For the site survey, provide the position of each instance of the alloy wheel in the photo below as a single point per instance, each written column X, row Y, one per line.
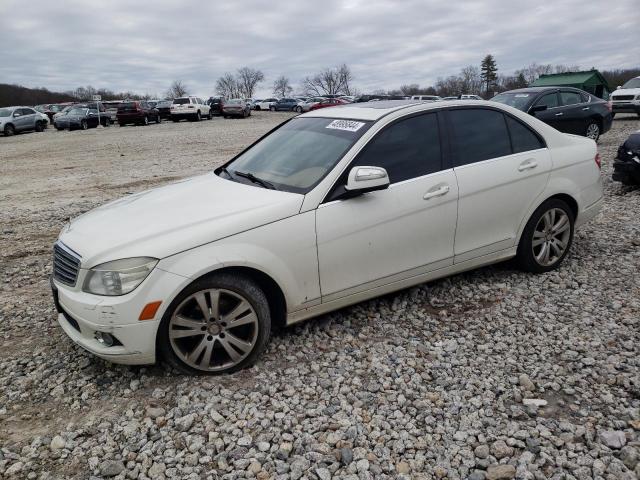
column 551, row 237
column 593, row 131
column 213, row 329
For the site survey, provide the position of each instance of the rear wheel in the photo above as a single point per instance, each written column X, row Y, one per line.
column 145, row 120
column 198, row 117
column 273, row 109
column 84, row 125
column 547, row 238
column 298, row 109
column 9, row 130
column 218, row 324
column 39, row 126
column 593, row 131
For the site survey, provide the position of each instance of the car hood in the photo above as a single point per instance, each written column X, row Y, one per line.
column 625, row 91
column 173, row 218
column 71, row 117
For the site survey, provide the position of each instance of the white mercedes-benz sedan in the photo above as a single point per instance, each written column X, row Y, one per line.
column 331, row 208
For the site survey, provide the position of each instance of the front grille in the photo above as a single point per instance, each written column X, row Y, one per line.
column 65, row 266
column 622, row 97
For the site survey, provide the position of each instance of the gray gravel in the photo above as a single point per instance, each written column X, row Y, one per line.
column 492, row 374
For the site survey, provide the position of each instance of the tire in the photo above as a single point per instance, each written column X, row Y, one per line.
column 209, row 115
column 145, row 120
column 592, row 131
column 158, row 119
column 258, row 108
column 9, row 130
column 39, row 127
column 84, row 125
column 244, row 114
column 209, row 355
column 273, row 109
column 198, row 117
column 539, row 229
column 175, row 120
column 298, row 109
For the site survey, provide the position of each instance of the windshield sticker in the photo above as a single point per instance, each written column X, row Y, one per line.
column 348, row 125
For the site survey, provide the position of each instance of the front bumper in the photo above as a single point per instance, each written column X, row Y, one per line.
column 81, row 315
column 627, row 172
column 630, row 106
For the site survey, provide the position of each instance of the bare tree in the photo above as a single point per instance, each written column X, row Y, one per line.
column 330, row 81
column 470, row 80
column 247, row 79
column 282, row 87
column 227, row 86
column 177, row 89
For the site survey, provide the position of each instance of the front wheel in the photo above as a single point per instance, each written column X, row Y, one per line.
column 198, row 117
column 298, row 109
column 39, row 127
column 258, row 108
column 219, row 324
column 593, row 131
column 84, row 125
column 9, row 130
column 547, row 237
column 273, row 109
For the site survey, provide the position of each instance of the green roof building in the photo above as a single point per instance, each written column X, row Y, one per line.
column 590, row 81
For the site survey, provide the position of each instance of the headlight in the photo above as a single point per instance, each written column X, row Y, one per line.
column 119, row 276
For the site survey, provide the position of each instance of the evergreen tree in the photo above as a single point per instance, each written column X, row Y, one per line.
column 488, row 71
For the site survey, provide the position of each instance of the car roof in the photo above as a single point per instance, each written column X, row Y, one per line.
column 539, row 89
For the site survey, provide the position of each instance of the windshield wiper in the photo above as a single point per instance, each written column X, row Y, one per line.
column 250, row 176
column 224, row 169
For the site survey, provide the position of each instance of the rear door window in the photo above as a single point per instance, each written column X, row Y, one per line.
column 523, row 138
column 478, row 134
column 570, row 98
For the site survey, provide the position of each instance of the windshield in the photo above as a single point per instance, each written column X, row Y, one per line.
column 633, row 83
column 181, row 101
column 517, row 100
column 78, row 111
column 296, row 156
column 5, row 112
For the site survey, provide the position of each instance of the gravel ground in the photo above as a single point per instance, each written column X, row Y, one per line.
column 492, row 374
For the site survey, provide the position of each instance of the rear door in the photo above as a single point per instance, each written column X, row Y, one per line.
column 385, row 236
column 502, row 167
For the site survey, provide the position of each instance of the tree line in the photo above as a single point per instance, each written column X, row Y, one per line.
column 483, row 80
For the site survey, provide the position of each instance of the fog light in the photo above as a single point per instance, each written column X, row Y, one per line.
column 105, row 339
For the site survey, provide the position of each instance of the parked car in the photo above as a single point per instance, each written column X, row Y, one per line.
column 80, row 118
column 626, row 99
column 138, row 112
column 265, row 104
column 626, row 167
column 50, row 109
column 426, row 98
column 236, row 107
column 191, row 108
column 284, row 104
column 305, row 105
column 328, row 102
column 64, row 111
column 216, row 103
column 164, row 108
column 111, row 109
column 462, row 97
column 569, row 110
column 21, row 119
column 303, row 222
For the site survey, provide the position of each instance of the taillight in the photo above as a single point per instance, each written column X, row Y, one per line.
column 598, row 161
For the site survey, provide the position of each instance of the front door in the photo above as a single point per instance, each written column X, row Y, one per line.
column 554, row 112
column 385, row 236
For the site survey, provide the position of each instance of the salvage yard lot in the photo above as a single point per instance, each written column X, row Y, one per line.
column 428, row 382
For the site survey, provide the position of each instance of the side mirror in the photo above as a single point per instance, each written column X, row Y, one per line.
column 16, row 114
column 367, row 179
column 618, row 87
column 537, row 108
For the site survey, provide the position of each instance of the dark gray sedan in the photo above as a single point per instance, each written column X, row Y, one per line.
column 236, row 107
column 78, row 118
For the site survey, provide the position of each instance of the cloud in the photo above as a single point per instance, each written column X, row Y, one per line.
column 143, row 46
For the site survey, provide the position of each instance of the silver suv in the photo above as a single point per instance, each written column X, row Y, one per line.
column 20, row 119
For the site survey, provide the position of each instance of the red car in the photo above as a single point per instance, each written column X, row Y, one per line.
column 329, row 102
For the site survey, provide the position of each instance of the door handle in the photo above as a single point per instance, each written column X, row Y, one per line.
column 559, row 114
column 527, row 165
column 436, row 192
column 585, row 108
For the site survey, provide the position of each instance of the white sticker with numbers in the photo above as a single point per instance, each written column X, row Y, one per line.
column 348, row 125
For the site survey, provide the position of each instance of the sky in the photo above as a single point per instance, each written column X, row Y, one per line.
column 142, row 46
